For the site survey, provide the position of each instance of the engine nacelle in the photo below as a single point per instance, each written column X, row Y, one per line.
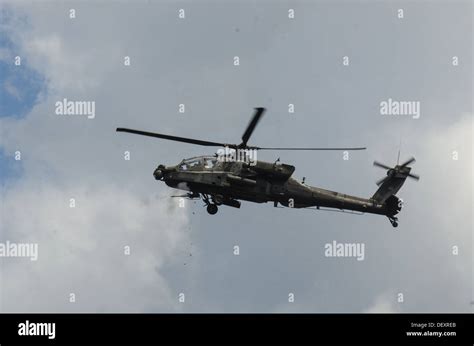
column 277, row 171
column 393, row 205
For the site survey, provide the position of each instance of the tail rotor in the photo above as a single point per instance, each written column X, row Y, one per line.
column 399, row 171
column 391, row 184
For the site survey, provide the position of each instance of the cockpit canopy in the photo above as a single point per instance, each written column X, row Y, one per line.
column 198, row 163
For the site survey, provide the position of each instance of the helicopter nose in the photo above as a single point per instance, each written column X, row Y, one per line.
column 159, row 172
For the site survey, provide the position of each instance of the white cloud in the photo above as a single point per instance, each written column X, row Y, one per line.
column 63, row 64
column 81, row 249
column 383, row 304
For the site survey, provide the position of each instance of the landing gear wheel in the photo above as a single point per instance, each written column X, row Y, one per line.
column 393, row 221
column 212, row 209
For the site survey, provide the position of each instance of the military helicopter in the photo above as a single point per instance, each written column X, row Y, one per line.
column 221, row 179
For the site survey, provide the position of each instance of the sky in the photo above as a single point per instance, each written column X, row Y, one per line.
column 190, row 61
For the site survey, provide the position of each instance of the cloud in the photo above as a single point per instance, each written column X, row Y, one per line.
column 383, row 304
column 63, row 64
column 81, row 249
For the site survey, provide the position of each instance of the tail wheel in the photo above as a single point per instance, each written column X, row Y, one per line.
column 212, row 209
column 393, row 221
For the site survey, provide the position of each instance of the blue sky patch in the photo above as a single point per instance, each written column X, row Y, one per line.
column 20, row 86
column 9, row 167
column 19, row 89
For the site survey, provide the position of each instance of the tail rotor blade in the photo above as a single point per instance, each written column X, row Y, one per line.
column 414, row 176
column 410, row 160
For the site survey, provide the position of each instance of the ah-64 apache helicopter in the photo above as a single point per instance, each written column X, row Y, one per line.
column 219, row 182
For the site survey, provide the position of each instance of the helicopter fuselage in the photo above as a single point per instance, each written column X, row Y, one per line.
column 228, row 182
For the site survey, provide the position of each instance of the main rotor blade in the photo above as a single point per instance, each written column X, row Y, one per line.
column 322, row 148
column 251, row 126
column 381, row 165
column 174, row 138
column 410, row 160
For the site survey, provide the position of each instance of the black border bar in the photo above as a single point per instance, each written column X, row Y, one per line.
column 243, row 328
